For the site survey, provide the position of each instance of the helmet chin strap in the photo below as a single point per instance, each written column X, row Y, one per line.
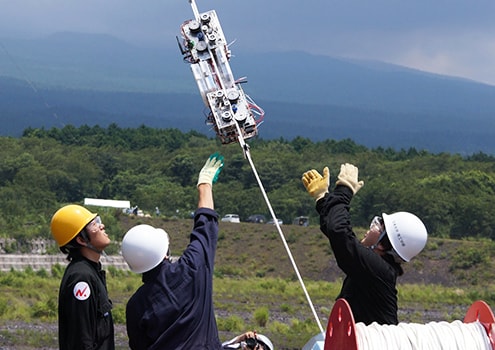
column 92, row 247
column 84, row 236
column 382, row 234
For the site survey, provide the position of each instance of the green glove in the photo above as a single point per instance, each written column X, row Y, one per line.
column 211, row 169
column 349, row 177
column 315, row 184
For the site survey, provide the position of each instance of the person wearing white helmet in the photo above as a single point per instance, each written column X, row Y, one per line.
column 249, row 341
column 372, row 264
column 173, row 309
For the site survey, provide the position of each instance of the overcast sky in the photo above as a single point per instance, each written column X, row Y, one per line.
column 450, row 37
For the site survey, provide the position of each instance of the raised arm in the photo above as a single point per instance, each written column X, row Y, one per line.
column 207, row 177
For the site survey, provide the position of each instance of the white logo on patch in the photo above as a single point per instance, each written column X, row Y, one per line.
column 82, row 291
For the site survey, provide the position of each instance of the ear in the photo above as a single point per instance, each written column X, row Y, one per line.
column 380, row 248
column 81, row 241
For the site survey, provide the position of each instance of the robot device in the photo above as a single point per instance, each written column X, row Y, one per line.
column 233, row 115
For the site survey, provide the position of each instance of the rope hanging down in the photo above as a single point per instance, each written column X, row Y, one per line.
column 233, row 114
column 247, row 154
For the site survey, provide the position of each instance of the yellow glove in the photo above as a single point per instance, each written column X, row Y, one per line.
column 315, row 184
column 349, row 177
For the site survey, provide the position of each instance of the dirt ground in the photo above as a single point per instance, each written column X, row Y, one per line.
column 12, row 333
column 432, row 266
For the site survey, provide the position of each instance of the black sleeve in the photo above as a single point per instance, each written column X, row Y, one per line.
column 334, row 211
column 335, row 223
column 81, row 305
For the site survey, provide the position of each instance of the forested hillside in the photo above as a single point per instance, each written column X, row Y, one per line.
column 45, row 169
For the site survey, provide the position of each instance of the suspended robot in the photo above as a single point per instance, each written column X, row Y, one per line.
column 233, row 115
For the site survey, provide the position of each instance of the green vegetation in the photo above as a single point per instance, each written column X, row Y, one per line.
column 45, row 169
column 255, row 286
column 272, row 306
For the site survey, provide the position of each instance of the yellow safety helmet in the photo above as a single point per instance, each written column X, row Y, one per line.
column 68, row 221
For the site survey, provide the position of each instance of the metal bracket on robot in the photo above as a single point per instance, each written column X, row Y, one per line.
column 341, row 328
column 233, row 114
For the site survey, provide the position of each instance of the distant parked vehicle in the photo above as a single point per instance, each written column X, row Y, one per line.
column 271, row 221
column 301, row 221
column 231, row 218
column 257, row 218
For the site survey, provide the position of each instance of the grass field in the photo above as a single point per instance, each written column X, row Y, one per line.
column 255, row 286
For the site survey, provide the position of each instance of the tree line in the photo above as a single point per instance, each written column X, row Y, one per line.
column 47, row 168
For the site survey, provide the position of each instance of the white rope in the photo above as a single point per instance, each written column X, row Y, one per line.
column 194, row 9
column 245, row 148
column 431, row 336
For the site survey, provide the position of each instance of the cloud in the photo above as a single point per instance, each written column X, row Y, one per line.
column 462, row 54
column 444, row 36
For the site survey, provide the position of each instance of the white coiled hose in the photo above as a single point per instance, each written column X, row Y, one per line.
column 431, row 336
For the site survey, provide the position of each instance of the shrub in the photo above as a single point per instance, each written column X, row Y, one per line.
column 469, row 257
column 3, row 306
column 58, row 270
column 261, row 316
column 118, row 314
column 231, row 324
column 286, row 308
column 46, row 310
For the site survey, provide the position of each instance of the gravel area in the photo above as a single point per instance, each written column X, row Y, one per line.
column 13, row 334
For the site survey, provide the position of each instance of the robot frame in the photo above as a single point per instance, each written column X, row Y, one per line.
column 233, row 115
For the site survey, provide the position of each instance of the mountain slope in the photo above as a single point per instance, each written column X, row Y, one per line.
column 92, row 79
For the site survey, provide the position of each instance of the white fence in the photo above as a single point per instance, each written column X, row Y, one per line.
column 39, row 261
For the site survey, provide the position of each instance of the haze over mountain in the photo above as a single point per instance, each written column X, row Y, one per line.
column 72, row 78
column 452, row 38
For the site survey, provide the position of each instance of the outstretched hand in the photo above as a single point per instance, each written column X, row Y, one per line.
column 315, row 184
column 348, row 176
column 212, row 168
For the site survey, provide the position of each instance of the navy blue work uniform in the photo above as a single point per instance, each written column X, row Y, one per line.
column 370, row 283
column 173, row 309
column 84, row 310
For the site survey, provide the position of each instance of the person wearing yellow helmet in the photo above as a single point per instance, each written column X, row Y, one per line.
column 173, row 309
column 84, row 309
column 372, row 264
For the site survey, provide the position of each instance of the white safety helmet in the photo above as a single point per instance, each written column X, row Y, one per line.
column 144, row 247
column 406, row 233
column 236, row 344
column 264, row 339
